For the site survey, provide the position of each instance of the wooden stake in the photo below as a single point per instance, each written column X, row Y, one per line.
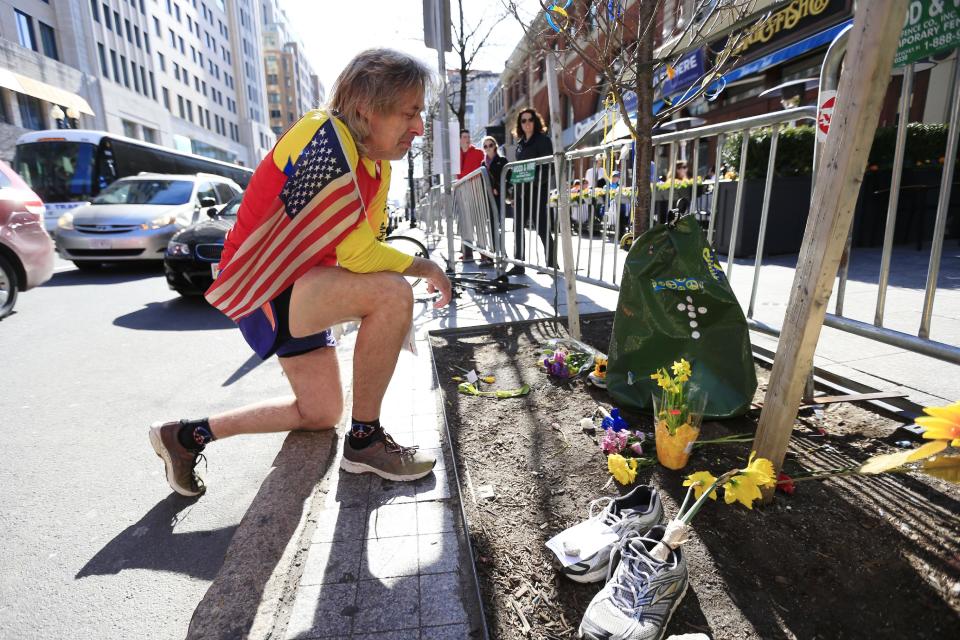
column 863, row 83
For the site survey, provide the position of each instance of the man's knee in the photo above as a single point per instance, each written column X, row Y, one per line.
column 396, row 293
column 320, row 417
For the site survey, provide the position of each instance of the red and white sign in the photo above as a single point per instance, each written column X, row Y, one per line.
column 828, row 100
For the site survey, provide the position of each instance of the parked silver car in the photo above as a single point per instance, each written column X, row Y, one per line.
column 135, row 217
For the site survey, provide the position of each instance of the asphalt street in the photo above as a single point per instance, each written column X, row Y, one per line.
column 95, row 544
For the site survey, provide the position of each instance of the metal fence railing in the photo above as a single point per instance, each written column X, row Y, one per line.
column 525, row 230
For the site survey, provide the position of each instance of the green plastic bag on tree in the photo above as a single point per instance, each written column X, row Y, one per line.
column 675, row 302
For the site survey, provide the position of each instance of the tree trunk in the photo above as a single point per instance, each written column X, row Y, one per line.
column 643, row 150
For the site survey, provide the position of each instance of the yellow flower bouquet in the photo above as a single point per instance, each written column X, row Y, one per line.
column 677, row 413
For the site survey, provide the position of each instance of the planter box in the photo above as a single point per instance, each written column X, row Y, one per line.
column 789, row 207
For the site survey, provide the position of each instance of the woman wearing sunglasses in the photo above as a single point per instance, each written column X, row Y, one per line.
column 494, row 163
column 531, row 201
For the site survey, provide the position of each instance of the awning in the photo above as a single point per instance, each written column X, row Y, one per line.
column 46, row 92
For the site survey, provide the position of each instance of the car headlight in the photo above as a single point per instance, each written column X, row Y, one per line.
column 65, row 222
column 178, row 249
column 159, row 222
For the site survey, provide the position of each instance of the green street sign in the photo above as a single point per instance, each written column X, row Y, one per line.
column 523, row 173
column 931, row 26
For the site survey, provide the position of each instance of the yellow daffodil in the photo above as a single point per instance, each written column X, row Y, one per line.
column 700, row 481
column 665, row 383
column 655, row 376
column 942, row 423
column 742, row 489
column 681, row 369
column 760, row 471
column 622, row 469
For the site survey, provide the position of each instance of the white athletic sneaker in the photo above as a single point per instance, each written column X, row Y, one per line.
column 632, row 514
column 641, row 594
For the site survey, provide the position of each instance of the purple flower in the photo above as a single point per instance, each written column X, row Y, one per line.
column 637, row 448
column 613, row 441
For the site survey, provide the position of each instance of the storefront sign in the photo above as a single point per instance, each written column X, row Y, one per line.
column 797, row 19
column 828, row 100
column 931, row 26
column 523, row 173
column 687, row 71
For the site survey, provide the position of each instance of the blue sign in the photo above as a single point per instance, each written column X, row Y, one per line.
column 688, row 70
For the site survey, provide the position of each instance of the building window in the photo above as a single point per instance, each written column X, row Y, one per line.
column 25, row 30
column 173, row 39
column 176, row 10
column 129, row 129
column 143, row 81
column 136, row 34
column 166, row 98
column 106, row 15
column 116, row 22
column 31, row 111
column 116, row 67
column 183, row 49
column 176, row 70
column 136, row 78
column 162, row 60
column 156, row 26
column 103, row 60
column 153, row 86
column 150, row 135
column 183, row 113
column 126, row 76
column 146, row 41
column 49, row 39
column 129, row 31
column 190, row 111
column 95, row 10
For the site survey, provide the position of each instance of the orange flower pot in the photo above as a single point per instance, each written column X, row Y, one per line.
column 673, row 451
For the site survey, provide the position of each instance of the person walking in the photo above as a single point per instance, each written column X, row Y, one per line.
column 532, row 198
column 494, row 162
column 307, row 253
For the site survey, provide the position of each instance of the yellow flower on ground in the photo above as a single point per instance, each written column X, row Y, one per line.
column 759, row 471
column 700, row 481
column 742, row 489
column 942, row 423
column 681, row 369
column 623, row 470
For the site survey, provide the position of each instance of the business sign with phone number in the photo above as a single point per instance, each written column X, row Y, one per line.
column 930, row 26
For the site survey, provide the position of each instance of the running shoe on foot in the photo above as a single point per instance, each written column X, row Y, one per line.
column 629, row 515
column 387, row 459
column 641, row 594
column 180, row 462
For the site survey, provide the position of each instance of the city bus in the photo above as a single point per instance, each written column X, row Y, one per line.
column 68, row 167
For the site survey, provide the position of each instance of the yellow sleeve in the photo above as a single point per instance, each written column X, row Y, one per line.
column 361, row 252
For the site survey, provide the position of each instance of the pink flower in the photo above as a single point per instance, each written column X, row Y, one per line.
column 613, row 441
column 637, row 448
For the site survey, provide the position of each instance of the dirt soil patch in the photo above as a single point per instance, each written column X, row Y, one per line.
column 843, row 558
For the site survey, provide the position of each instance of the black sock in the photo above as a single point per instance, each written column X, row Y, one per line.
column 195, row 434
column 364, row 434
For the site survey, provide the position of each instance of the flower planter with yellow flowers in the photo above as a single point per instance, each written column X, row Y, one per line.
column 677, row 413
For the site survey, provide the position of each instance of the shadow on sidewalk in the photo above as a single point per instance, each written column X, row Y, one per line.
column 151, row 543
column 229, row 607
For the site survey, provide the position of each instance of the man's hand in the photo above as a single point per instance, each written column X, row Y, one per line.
column 436, row 279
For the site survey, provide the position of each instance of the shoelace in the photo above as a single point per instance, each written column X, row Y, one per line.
column 599, row 508
column 630, row 594
column 193, row 474
column 391, row 446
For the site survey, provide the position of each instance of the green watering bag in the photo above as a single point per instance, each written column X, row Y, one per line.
column 675, row 302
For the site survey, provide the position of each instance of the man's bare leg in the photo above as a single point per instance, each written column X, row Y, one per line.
column 316, row 403
column 384, row 304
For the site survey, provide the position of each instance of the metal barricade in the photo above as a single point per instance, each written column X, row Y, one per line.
column 477, row 220
column 528, row 225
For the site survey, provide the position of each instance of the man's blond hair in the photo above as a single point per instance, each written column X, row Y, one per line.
column 375, row 78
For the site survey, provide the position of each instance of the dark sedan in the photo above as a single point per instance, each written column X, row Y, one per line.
column 193, row 254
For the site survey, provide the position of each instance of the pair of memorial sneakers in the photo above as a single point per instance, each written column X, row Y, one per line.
column 641, row 592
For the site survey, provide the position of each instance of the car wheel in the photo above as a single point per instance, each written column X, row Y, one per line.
column 87, row 266
column 8, row 287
